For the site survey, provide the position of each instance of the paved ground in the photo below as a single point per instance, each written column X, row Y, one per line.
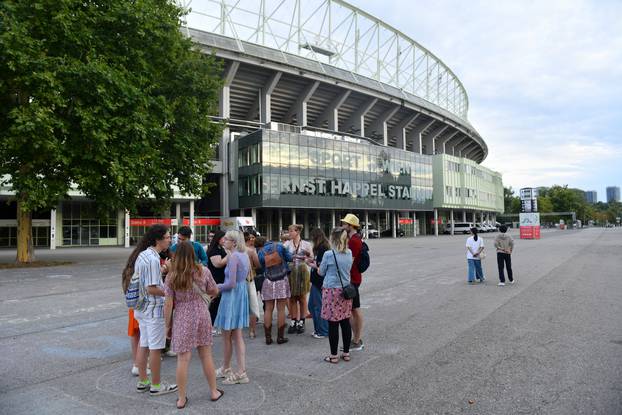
column 551, row 344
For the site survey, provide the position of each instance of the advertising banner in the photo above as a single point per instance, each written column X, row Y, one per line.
column 529, row 225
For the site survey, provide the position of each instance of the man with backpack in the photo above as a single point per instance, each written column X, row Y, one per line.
column 355, row 243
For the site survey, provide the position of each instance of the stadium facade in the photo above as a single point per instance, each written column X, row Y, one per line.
column 327, row 110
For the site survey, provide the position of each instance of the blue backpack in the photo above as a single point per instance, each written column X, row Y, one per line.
column 364, row 261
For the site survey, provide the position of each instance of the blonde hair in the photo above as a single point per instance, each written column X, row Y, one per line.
column 183, row 267
column 295, row 227
column 238, row 238
column 339, row 239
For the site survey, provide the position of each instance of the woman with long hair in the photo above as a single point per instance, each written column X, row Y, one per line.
column 474, row 248
column 335, row 268
column 233, row 309
column 217, row 261
column 320, row 246
column 186, row 285
column 299, row 282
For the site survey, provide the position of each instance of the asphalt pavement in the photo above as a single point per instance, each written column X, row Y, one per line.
column 549, row 344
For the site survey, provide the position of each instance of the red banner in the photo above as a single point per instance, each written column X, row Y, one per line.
column 406, row 221
column 150, row 221
column 203, row 221
column 529, row 232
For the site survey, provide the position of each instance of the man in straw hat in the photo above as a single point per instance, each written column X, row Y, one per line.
column 355, row 243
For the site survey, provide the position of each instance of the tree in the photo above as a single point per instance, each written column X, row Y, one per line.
column 105, row 95
column 511, row 203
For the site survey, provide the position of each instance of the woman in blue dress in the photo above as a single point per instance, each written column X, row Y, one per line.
column 233, row 309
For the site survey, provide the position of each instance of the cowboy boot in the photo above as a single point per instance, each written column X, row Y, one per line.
column 268, row 333
column 281, row 335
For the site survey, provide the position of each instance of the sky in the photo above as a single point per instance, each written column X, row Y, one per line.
column 544, row 80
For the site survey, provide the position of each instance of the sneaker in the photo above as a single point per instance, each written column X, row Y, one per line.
column 357, row 346
column 317, row 336
column 236, row 379
column 135, row 370
column 222, row 373
column 143, row 386
column 512, row 282
column 501, row 284
column 170, row 353
column 162, row 389
column 292, row 327
column 300, row 327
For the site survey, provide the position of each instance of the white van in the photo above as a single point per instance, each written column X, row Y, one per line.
column 459, row 227
column 240, row 223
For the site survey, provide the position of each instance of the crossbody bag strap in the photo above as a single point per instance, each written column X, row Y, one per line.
column 199, row 291
column 337, row 265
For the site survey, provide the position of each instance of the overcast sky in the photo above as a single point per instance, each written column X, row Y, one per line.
column 544, row 80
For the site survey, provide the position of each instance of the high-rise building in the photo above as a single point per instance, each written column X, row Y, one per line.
column 613, row 194
column 591, row 196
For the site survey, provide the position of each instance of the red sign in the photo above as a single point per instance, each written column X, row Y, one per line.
column 529, row 232
column 150, row 221
column 203, row 221
column 439, row 221
column 406, row 221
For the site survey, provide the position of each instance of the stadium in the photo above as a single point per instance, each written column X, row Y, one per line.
column 327, row 110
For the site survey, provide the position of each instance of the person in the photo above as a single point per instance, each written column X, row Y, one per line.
column 191, row 324
column 355, row 243
column 320, row 246
column 210, row 236
column 165, row 257
column 299, row 281
column 150, row 311
column 275, row 288
column 184, row 234
column 249, row 240
column 217, row 262
column 335, row 267
column 233, row 309
column 474, row 246
column 505, row 245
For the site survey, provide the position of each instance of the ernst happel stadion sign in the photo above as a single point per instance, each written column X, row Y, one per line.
column 295, row 170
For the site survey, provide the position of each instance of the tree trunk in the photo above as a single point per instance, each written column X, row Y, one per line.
column 25, row 251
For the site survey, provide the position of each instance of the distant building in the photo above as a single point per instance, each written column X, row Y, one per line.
column 613, row 194
column 591, row 196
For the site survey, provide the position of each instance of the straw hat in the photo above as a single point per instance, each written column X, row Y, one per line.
column 351, row 219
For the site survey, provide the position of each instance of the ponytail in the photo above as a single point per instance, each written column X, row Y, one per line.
column 474, row 232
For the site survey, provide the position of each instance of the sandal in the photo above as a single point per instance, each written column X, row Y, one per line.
column 345, row 357
column 222, row 392
column 332, row 359
column 251, row 334
column 184, row 405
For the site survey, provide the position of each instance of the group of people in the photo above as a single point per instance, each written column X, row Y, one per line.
column 188, row 295
column 504, row 244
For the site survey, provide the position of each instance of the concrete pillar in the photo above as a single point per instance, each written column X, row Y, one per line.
column 192, row 219
column 268, row 213
column 319, row 222
column 225, row 112
column 464, row 216
column 330, row 114
column 356, row 122
column 379, row 126
column 435, row 222
column 53, row 229
column 334, row 224
column 299, row 109
column 366, row 223
column 127, row 229
column 306, row 224
column 429, row 140
column 416, row 133
column 294, row 216
column 415, row 224
column 451, row 218
column 399, row 130
column 280, row 223
column 254, row 215
column 474, row 218
column 265, row 99
column 178, row 214
column 393, row 224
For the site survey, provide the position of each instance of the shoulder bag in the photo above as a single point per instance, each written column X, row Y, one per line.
column 349, row 291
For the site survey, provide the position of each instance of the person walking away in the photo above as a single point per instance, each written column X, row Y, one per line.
column 150, row 312
column 299, row 278
column 320, row 246
column 355, row 243
column 273, row 258
column 474, row 248
column 233, row 309
column 186, row 285
column 183, row 235
column 335, row 267
column 253, row 302
column 217, row 262
column 504, row 244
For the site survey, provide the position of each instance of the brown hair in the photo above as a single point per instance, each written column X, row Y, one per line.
column 296, row 227
column 153, row 234
column 318, row 237
column 183, row 267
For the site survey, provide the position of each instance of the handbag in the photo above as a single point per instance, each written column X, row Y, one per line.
column 349, row 291
column 204, row 296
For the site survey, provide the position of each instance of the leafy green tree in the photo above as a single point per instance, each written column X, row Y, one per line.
column 105, row 95
column 544, row 204
column 511, row 203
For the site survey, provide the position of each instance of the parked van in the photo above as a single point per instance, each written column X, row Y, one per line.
column 459, row 227
column 240, row 223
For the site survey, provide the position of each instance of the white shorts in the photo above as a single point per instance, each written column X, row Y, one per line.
column 152, row 331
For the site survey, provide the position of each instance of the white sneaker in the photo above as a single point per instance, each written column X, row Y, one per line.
column 170, row 353
column 163, row 389
column 318, row 336
column 135, row 371
column 222, row 373
column 512, row 282
column 501, row 284
column 236, row 379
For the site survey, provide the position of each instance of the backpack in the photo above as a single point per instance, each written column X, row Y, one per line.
column 364, row 261
column 134, row 296
column 276, row 268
